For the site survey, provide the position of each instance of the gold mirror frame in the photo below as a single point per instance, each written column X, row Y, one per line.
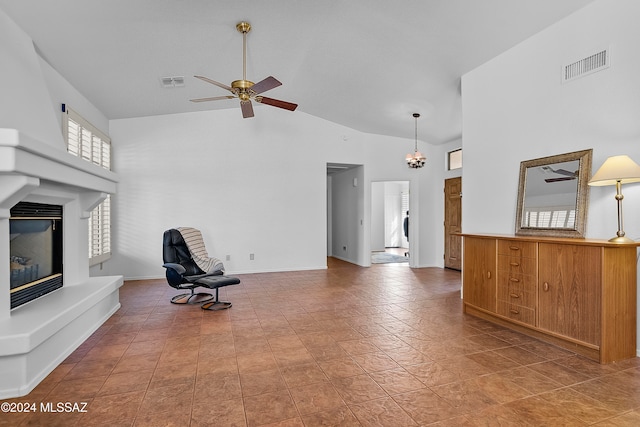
column 583, row 174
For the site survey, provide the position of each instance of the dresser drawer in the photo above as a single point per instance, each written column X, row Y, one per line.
column 516, row 294
column 526, row 281
column 517, row 312
column 517, row 248
column 517, row 265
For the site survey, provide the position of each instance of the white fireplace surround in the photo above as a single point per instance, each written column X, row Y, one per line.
column 37, row 336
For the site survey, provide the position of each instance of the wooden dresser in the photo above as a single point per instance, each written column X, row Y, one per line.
column 579, row 294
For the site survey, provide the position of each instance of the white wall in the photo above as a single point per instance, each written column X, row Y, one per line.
column 251, row 185
column 25, row 101
column 61, row 92
column 515, row 109
column 377, row 216
column 348, row 216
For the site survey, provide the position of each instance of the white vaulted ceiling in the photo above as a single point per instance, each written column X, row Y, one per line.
column 365, row 64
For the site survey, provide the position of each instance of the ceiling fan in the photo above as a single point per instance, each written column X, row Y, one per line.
column 567, row 175
column 245, row 90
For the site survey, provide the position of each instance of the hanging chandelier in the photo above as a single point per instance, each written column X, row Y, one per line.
column 416, row 160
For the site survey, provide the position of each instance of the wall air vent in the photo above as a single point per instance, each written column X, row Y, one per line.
column 168, row 82
column 596, row 62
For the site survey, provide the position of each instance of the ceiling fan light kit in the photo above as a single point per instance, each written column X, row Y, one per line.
column 245, row 90
column 415, row 160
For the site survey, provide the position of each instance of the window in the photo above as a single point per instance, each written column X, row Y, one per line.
column 405, row 209
column 454, row 159
column 88, row 143
column 550, row 217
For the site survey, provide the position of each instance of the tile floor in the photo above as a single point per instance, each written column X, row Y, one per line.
column 346, row 346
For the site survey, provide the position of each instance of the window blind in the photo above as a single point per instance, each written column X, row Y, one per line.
column 90, row 144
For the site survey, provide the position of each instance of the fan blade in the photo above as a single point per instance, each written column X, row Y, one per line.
column 277, row 103
column 265, row 85
column 247, row 109
column 213, row 98
column 565, row 172
column 213, row 82
column 548, row 180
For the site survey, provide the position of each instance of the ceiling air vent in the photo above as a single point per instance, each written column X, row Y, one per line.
column 590, row 64
column 168, row 82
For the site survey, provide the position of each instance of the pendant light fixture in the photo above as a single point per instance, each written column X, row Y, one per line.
column 416, row 160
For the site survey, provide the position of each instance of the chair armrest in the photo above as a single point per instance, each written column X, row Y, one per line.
column 176, row 267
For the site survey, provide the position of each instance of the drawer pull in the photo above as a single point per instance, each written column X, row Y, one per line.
column 512, row 295
column 514, row 264
column 514, row 311
column 545, row 286
column 514, row 279
column 514, row 248
column 488, row 275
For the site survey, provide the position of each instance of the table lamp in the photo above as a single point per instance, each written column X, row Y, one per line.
column 617, row 170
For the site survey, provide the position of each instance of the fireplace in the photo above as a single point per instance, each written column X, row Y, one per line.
column 35, row 251
column 46, row 197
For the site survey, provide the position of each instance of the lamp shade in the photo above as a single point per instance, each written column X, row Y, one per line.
column 614, row 169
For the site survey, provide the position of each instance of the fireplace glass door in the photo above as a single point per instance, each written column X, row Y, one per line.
column 35, row 251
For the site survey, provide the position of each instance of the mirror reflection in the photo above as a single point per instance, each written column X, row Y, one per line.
column 551, row 192
column 553, row 195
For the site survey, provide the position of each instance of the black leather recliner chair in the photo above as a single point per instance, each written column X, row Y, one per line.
column 183, row 273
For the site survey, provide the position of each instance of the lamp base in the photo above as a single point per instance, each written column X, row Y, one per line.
column 621, row 239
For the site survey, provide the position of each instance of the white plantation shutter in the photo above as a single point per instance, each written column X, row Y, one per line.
column 550, row 217
column 88, row 143
column 405, row 203
column 405, row 208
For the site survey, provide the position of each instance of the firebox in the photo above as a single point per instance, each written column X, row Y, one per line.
column 35, row 251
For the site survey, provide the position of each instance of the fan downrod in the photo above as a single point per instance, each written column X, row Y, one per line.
column 242, row 86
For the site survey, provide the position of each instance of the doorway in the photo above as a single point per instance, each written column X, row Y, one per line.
column 345, row 213
column 452, row 223
column 389, row 207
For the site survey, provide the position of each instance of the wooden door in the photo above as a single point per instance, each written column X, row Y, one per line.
column 569, row 290
column 452, row 223
column 479, row 278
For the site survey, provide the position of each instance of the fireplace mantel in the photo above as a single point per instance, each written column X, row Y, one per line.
column 26, row 163
column 39, row 335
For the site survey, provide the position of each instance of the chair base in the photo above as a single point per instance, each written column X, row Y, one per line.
column 215, row 305
column 192, row 298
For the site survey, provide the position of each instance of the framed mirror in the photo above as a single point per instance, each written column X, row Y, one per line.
column 553, row 195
